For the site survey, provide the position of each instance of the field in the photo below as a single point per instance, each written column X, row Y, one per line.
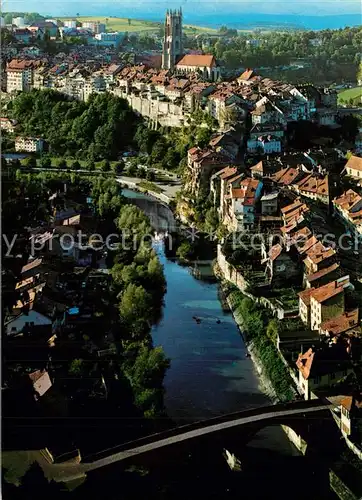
column 137, row 25
column 355, row 93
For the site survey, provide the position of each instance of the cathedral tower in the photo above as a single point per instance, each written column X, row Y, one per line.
column 172, row 43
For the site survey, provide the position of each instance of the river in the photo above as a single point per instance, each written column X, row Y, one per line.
column 209, row 373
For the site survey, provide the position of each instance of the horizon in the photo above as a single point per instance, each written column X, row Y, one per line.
column 305, row 8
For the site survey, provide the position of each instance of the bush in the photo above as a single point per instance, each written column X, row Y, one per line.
column 76, row 165
column 61, row 163
column 105, row 166
column 90, row 166
column 150, row 176
column 45, row 162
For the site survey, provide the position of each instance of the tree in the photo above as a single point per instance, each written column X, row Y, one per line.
column 45, row 162
column 150, row 176
column 90, row 166
column 105, row 166
column 76, row 165
column 185, row 251
column 141, row 173
column 29, row 162
column 135, row 309
column 119, row 167
column 62, row 163
column 76, row 367
column 272, row 330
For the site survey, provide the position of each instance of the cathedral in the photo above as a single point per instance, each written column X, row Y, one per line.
column 172, row 44
column 172, row 54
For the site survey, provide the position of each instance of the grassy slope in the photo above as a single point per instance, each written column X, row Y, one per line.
column 121, row 24
column 351, row 94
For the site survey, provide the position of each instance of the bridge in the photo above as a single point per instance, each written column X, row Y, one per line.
column 310, row 419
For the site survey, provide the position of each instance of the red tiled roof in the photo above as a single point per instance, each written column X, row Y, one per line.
column 342, row 323
column 275, row 251
column 355, row 163
column 323, row 272
column 305, row 295
column 206, row 60
column 329, row 290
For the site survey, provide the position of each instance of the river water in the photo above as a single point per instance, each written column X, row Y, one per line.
column 209, row 374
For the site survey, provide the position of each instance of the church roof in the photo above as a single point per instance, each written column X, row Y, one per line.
column 206, row 60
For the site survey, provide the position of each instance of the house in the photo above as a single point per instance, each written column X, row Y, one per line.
column 32, row 322
column 318, row 257
column 266, row 112
column 351, row 415
column 349, row 208
column 304, row 305
column 353, row 167
column 248, row 77
column 29, row 144
column 314, row 187
column 218, row 182
column 19, row 75
column 322, row 367
column 23, row 35
column 8, row 125
column 33, row 269
column 342, row 324
column 264, row 144
column 240, row 213
column 202, row 64
column 327, row 301
column 286, row 176
column 44, row 27
column 269, row 203
column 201, row 164
column 322, row 277
column 225, row 143
column 41, row 383
column 280, row 267
column 219, row 103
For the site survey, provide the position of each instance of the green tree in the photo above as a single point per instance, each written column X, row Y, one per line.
column 29, row 162
column 90, row 166
column 119, row 167
column 105, row 166
column 76, row 367
column 45, row 162
column 75, row 165
column 150, row 176
column 135, row 309
column 272, row 330
column 61, row 163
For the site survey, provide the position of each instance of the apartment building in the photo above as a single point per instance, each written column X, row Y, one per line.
column 19, row 75
column 29, row 144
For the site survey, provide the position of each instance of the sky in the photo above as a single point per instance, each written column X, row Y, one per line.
column 117, row 7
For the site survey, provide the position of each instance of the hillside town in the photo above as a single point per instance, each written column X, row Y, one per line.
column 276, row 188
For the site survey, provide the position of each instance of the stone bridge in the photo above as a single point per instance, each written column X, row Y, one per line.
column 310, row 419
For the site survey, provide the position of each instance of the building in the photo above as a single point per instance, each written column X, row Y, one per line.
column 201, row 164
column 172, row 44
column 240, row 213
column 343, row 324
column 204, row 64
column 316, row 188
column 353, row 167
column 28, row 322
column 280, row 267
column 23, row 35
column 269, row 203
column 41, row 383
column 45, row 27
column 94, row 26
column 111, row 39
column 351, row 415
column 322, row 368
column 8, row 125
column 19, row 75
column 349, row 208
column 327, row 302
column 29, row 144
column 70, row 23
column 19, row 22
